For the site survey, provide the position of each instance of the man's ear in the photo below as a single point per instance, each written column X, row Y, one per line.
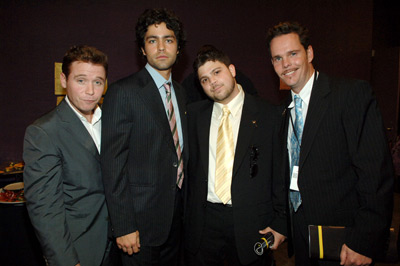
column 310, row 54
column 232, row 69
column 63, row 80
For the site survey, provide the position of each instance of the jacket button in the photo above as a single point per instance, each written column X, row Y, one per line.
column 175, row 164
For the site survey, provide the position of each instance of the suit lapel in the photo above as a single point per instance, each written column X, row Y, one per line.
column 155, row 106
column 72, row 124
column 248, row 125
column 203, row 125
column 316, row 111
column 182, row 112
column 283, row 133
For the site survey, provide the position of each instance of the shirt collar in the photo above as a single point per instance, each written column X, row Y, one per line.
column 157, row 77
column 96, row 115
column 305, row 93
column 234, row 106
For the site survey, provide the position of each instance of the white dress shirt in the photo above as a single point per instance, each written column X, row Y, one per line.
column 305, row 95
column 94, row 127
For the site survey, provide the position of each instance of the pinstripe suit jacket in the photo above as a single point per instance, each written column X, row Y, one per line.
column 139, row 160
column 345, row 168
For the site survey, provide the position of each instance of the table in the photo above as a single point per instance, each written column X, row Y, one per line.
column 18, row 243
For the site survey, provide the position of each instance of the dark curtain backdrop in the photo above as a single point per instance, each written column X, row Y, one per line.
column 35, row 34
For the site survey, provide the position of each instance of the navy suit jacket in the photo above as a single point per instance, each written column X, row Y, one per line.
column 139, row 159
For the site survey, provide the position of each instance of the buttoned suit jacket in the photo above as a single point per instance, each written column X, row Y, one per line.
column 64, row 189
column 257, row 201
column 345, row 169
column 139, row 159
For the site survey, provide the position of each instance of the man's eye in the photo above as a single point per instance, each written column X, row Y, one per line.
column 203, row 81
column 98, row 83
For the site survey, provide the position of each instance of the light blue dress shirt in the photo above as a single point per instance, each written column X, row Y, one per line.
column 160, row 81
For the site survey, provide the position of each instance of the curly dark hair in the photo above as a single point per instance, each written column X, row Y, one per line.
column 209, row 53
column 84, row 53
column 286, row 28
column 156, row 16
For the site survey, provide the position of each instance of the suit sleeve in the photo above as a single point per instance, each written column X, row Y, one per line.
column 116, row 131
column 279, row 194
column 45, row 198
column 373, row 167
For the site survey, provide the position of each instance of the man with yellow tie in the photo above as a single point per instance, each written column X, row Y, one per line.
column 233, row 198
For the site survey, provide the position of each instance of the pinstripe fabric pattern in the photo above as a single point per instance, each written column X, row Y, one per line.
column 139, row 158
column 345, row 169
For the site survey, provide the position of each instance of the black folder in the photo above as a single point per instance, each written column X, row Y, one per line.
column 325, row 242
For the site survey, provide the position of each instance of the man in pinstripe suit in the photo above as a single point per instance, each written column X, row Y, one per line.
column 140, row 159
column 344, row 176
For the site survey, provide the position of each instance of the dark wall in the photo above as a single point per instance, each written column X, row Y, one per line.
column 35, row 34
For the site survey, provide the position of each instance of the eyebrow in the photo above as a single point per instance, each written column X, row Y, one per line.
column 212, row 71
column 84, row 76
column 160, row 37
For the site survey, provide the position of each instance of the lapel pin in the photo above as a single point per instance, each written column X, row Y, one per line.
column 254, row 122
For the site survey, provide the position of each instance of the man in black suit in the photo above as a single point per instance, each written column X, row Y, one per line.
column 225, row 226
column 144, row 148
column 343, row 175
column 62, row 175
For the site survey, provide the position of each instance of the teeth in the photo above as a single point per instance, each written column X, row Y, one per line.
column 288, row 73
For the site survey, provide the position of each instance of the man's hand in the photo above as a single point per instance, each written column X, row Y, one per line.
column 278, row 238
column 349, row 257
column 129, row 243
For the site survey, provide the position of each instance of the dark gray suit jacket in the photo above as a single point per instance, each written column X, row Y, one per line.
column 345, row 168
column 64, row 189
column 139, row 160
column 257, row 201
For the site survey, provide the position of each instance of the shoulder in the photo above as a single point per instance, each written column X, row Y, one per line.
column 263, row 105
column 199, row 106
column 138, row 79
column 346, row 85
column 47, row 120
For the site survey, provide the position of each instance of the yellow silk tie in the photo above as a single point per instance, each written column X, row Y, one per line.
column 225, row 157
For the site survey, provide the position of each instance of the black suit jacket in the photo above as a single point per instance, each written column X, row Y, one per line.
column 257, row 201
column 345, row 168
column 64, row 189
column 139, row 160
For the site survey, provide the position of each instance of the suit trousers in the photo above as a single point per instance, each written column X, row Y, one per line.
column 167, row 254
column 218, row 246
column 300, row 241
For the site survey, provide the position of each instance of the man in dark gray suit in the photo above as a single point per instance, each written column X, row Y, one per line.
column 222, row 228
column 144, row 147
column 62, row 176
column 340, row 172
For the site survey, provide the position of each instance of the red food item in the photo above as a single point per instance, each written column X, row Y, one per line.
column 11, row 195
